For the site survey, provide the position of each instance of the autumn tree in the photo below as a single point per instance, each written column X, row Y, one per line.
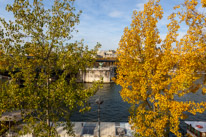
column 152, row 77
column 42, row 66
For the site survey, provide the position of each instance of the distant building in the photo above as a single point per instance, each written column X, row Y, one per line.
column 106, row 54
column 95, row 74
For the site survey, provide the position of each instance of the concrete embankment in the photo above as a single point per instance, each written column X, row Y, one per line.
column 4, row 77
column 107, row 129
column 94, row 74
column 90, row 129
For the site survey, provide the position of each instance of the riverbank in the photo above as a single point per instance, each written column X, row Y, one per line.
column 4, row 77
column 90, row 129
column 107, row 129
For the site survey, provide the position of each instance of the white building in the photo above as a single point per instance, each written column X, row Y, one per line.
column 95, row 74
column 107, row 54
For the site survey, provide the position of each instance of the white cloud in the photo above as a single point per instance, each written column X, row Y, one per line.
column 201, row 10
column 181, row 34
column 163, row 36
column 106, row 32
column 86, row 17
column 116, row 14
column 140, row 6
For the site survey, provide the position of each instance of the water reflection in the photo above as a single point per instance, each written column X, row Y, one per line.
column 196, row 97
column 113, row 109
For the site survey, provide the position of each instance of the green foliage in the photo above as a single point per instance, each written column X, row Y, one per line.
column 43, row 68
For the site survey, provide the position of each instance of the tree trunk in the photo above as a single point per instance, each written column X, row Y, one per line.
column 47, row 111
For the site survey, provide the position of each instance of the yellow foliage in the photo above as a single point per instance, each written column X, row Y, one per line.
column 203, row 3
column 3, row 62
column 151, row 77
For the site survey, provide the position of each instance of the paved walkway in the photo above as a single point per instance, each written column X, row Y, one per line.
column 90, row 129
column 107, row 129
column 81, row 129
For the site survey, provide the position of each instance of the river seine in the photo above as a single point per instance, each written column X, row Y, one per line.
column 114, row 109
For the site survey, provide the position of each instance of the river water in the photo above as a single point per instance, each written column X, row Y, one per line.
column 114, row 109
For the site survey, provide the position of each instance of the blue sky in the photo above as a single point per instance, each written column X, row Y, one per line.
column 104, row 21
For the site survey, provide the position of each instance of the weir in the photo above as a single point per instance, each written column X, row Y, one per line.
column 95, row 74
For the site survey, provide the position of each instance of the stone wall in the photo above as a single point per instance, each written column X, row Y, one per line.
column 95, row 74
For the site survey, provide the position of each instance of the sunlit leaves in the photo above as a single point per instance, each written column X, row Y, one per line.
column 152, row 77
column 43, row 68
column 203, row 3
